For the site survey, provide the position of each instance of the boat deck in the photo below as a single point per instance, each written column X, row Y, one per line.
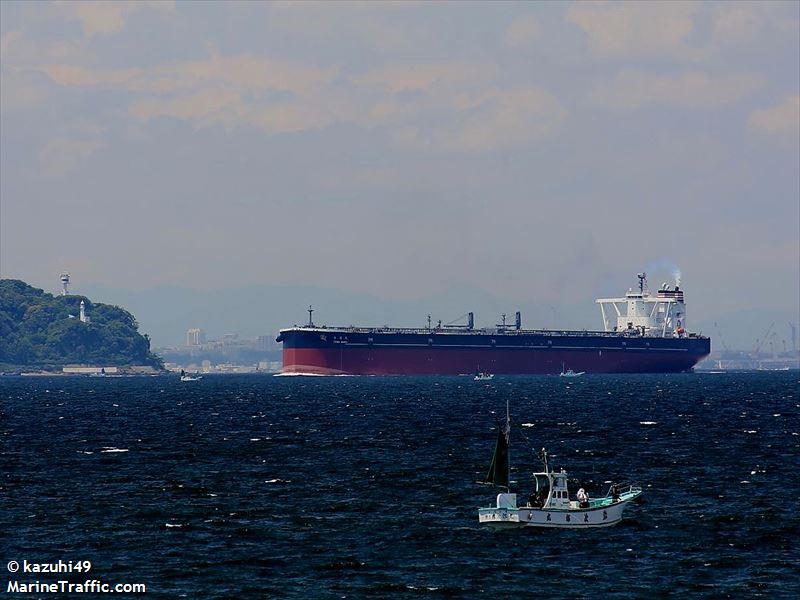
column 574, row 506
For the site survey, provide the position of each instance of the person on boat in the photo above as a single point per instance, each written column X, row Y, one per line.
column 537, row 498
column 615, row 493
column 583, row 498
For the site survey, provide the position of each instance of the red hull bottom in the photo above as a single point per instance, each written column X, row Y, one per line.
column 401, row 361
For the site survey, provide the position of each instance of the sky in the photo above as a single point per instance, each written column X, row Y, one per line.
column 544, row 151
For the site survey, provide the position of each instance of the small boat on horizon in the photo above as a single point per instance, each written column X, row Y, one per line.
column 185, row 377
column 481, row 376
column 549, row 504
column 569, row 372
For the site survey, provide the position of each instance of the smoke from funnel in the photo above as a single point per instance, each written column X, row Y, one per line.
column 665, row 264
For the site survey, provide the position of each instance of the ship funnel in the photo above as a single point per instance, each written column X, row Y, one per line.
column 518, row 320
column 470, row 320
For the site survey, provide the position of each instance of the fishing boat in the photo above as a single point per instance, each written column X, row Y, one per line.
column 185, row 377
column 549, row 504
column 569, row 372
column 484, row 376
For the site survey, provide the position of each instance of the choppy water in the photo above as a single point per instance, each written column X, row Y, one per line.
column 364, row 487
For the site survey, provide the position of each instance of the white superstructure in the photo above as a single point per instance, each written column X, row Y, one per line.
column 662, row 314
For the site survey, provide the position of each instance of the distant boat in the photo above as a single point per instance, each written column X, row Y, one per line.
column 484, row 376
column 549, row 504
column 569, row 372
column 185, row 377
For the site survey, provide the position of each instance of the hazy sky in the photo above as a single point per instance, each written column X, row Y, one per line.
column 535, row 150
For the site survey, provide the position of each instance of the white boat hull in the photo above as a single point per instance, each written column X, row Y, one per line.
column 573, row 518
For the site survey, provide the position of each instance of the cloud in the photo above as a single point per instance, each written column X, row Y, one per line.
column 7, row 39
column 206, row 107
column 737, row 22
column 242, row 71
column 742, row 23
column 513, row 118
column 232, row 90
column 61, row 155
column 628, row 29
column 691, row 89
column 456, row 106
column 423, row 76
column 493, row 120
column 448, row 106
column 228, row 108
column 783, row 119
column 21, row 89
column 521, row 32
column 107, row 18
column 26, row 50
column 382, row 26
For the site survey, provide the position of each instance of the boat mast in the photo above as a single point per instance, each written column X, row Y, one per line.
column 508, row 451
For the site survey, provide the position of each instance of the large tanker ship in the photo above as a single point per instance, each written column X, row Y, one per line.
column 643, row 332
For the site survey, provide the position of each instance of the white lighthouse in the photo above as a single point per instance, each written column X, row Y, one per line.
column 84, row 318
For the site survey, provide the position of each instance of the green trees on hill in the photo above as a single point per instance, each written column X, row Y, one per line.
column 40, row 329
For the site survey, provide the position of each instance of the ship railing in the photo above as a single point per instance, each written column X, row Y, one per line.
column 622, row 488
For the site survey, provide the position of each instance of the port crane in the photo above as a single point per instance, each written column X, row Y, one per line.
column 721, row 339
column 763, row 339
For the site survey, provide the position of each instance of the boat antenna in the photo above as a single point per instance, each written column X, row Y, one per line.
column 310, row 311
column 544, row 460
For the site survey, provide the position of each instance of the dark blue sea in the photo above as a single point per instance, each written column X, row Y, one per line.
column 351, row 487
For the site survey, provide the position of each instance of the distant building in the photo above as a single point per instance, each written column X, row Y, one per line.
column 206, row 366
column 195, row 337
column 230, row 338
column 265, row 342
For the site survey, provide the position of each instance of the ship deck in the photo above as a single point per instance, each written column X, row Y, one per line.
column 493, row 331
